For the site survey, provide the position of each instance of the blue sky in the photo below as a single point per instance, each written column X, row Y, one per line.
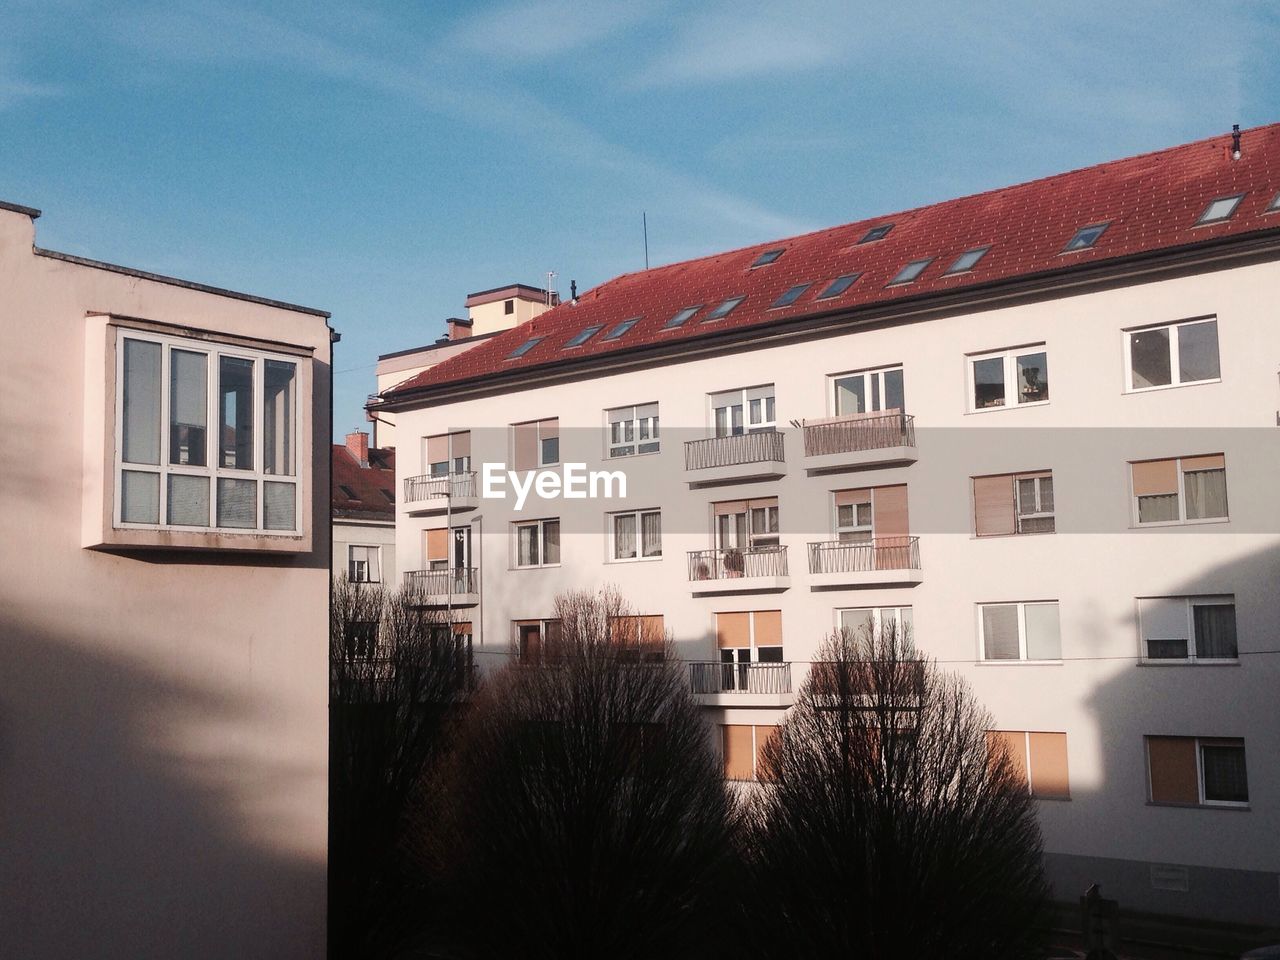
column 381, row 161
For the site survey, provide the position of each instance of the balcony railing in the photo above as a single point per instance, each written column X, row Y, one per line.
column 719, row 677
column 882, row 553
column 733, row 450
column 734, row 563
column 439, row 582
column 428, row 487
column 858, row 432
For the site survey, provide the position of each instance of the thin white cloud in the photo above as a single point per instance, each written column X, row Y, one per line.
column 534, row 30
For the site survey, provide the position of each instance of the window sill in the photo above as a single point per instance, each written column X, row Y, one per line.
column 1165, row 524
column 1019, row 663
column 1006, row 407
column 1188, row 663
column 625, row 560
column 1132, row 391
column 1234, row 807
column 199, row 540
column 536, row 566
column 632, row 456
column 1011, row 536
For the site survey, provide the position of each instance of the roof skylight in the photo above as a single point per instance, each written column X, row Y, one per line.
column 911, row 271
column 681, row 318
column 583, row 336
column 877, row 233
column 1086, row 237
column 621, row 328
column 769, row 256
column 387, row 495
column 1275, row 204
column 791, row 296
column 724, row 309
column 967, row 260
column 1220, row 209
column 838, row 286
column 525, row 347
column 348, row 492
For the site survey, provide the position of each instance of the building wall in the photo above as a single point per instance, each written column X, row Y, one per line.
column 492, row 316
column 352, row 532
column 163, row 713
column 1095, row 565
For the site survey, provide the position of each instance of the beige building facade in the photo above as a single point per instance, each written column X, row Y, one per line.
column 1060, row 479
column 163, row 717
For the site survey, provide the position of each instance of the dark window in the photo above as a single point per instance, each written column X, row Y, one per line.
column 967, row 260
column 911, row 271
column 509, row 307
column 582, row 337
column 838, row 286
column 1220, row 209
column 389, row 496
column 621, row 329
column 792, row 295
column 724, row 309
column 347, row 492
column 769, row 256
column 524, row 348
column 877, row 233
column 681, row 318
column 1085, row 237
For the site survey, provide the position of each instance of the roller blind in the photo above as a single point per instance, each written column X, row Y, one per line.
column 526, row 446
column 889, row 511
column 1155, row 478
column 732, row 630
column 141, row 401
column 437, row 544
column 1015, row 743
column 768, row 628
column 1000, row 631
column 437, row 449
column 739, row 753
column 1049, row 764
column 1171, row 762
column 993, row 506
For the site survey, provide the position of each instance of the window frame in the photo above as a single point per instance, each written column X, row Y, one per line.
column 635, row 422
column 1191, row 601
column 1175, row 350
column 766, row 257
column 1182, row 519
column 582, row 337
column 1198, row 743
column 213, row 351
column 765, row 425
column 873, row 386
column 1101, row 226
column 826, row 293
column 1009, row 355
column 682, row 316
column 876, row 233
column 1038, row 478
column 878, row 618
column 724, row 308
column 351, row 561
column 611, row 528
column 1205, row 221
column 1022, row 657
column 540, row 524
column 911, row 271
column 956, row 269
column 791, row 295
column 857, row 527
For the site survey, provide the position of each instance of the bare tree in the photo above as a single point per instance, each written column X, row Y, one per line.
column 889, row 828
column 586, row 815
column 397, row 675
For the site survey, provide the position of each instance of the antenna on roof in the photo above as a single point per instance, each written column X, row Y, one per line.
column 644, row 220
column 1235, row 141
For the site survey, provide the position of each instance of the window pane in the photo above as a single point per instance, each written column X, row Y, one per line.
column 1027, row 496
column 551, row 450
column 1215, row 631
column 527, row 545
column 1206, row 494
column 860, row 623
column 850, row 395
column 1166, row 649
column 278, row 509
column 278, row 393
column 651, row 534
column 1224, row 775
column 624, row 536
column 1000, row 632
column 237, row 503
column 988, row 383
column 141, row 420
column 188, row 500
column 551, row 541
column 893, row 397
column 188, row 410
column 139, row 497
column 1043, row 639
column 1046, row 494
column 1149, row 358
column 235, row 407
column 1158, row 508
column 1033, row 377
column 1198, row 351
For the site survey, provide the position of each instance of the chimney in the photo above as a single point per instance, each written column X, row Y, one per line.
column 459, row 329
column 358, row 446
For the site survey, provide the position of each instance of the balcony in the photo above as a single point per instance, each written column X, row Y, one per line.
column 718, row 684
column 859, row 440
column 750, row 570
column 883, row 562
column 427, row 495
column 444, row 588
column 733, row 459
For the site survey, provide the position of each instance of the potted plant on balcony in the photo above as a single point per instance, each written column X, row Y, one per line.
column 701, row 571
column 734, row 564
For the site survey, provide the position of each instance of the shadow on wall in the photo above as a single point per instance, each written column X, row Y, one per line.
column 114, row 842
column 1161, row 871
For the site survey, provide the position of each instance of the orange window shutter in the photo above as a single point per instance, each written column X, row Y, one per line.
column 462, row 628
column 732, row 630
column 547, row 429
column 764, row 736
column 437, row 544
column 768, row 624
column 1155, row 478
column 889, row 511
column 1171, row 762
column 1014, row 742
column 727, row 508
column 846, row 498
column 739, row 754
column 993, row 511
column 437, row 449
column 1215, row 462
column 526, row 446
column 1049, row 765
column 762, row 502
column 461, row 444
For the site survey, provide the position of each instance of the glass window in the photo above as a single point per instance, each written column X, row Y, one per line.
column 363, row 564
column 278, row 418
column 636, row 534
column 621, row 329
column 681, row 318
column 768, row 257
column 141, row 426
column 750, row 410
column 1224, row 776
column 723, row 310
column 1220, row 209
column 188, row 409
column 1188, row 628
column 1180, row 489
column 538, row 543
column 235, row 405
column 1085, row 237
column 876, row 233
column 911, row 271
column 582, row 337
column 838, row 286
column 791, row 296
column 1020, row 631
column 868, row 391
column 1009, row 378
column 967, row 260
column 525, row 347
column 633, row 430
column 1177, row 353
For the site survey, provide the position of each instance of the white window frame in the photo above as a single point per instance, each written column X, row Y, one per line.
column 1182, row 519
column 1175, row 372
column 753, row 538
column 540, row 524
column 856, row 527
column 351, row 560
column 1022, row 630
column 639, row 515
column 878, row 616
column 454, row 465
column 871, row 375
column 1202, row 742
column 635, row 427
column 1190, row 602
column 1039, row 513
column 213, row 352
column 1010, row 357
column 742, row 402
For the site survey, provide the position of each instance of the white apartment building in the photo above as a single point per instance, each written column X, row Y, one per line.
column 1037, row 425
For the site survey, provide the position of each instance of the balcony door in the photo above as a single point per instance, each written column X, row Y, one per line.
column 751, row 410
column 868, row 391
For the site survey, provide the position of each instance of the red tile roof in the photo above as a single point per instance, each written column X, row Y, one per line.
column 1151, row 202
column 374, row 485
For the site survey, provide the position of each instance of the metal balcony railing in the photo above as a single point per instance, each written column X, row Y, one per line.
column 719, row 677
column 882, row 553
column 440, row 582
column 858, row 432
column 741, row 448
column 733, row 563
column 428, row 487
